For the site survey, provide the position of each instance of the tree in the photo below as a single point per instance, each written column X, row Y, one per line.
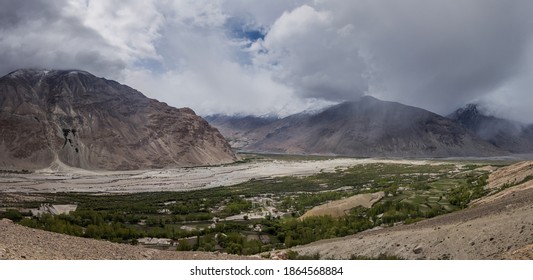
column 183, row 245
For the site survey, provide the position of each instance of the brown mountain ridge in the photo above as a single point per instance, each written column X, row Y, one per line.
column 76, row 118
column 367, row 127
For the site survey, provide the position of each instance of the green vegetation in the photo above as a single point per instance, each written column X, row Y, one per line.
column 261, row 215
column 463, row 194
column 12, row 214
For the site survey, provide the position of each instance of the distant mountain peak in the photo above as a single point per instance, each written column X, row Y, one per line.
column 471, row 107
column 467, row 114
column 365, row 127
column 368, row 98
column 28, row 72
column 503, row 133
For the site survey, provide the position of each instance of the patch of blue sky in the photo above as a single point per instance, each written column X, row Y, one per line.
column 153, row 65
column 246, row 33
column 240, row 29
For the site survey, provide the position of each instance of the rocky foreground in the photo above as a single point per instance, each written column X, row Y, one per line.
column 499, row 226
column 19, row 242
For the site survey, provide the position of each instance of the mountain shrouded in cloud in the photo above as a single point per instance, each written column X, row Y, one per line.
column 509, row 135
column 367, row 127
column 281, row 57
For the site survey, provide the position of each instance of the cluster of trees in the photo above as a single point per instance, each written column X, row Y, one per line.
column 118, row 217
column 295, row 231
column 301, row 202
column 89, row 224
column 473, row 189
column 235, row 206
column 12, row 214
column 112, row 226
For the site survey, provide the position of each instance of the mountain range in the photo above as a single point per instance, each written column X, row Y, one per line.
column 76, row 118
column 370, row 127
column 505, row 134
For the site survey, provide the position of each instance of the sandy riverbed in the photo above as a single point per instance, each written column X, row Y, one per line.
column 61, row 178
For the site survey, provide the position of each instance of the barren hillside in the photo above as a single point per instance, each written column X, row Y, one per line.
column 508, row 135
column 499, row 228
column 337, row 208
column 75, row 118
column 18, row 242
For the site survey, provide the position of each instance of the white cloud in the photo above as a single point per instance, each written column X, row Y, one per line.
column 131, row 29
column 224, row 88
column 439, row 54
column 40, row 34
column 312, row 55
column 435, row 54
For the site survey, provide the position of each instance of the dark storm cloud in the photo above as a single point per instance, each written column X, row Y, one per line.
column 15, row 12
column 434, row 54
column 37, row 34
column 264, row 57
column 442, row 54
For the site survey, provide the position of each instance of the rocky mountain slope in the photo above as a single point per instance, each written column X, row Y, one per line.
column 506, row 134
column 238, row 130
column 75, row 118
column 368, row 127
column 497, row 227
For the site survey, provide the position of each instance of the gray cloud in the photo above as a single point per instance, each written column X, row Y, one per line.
column 435, row 54
column 438, row 54
column 313, row 55
column 38, row 34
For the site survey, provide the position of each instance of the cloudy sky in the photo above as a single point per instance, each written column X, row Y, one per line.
column 280, row 56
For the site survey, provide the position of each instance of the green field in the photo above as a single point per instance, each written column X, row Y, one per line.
column 261, row 215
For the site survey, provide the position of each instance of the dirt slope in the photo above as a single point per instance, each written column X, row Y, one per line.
column 512, row 174
column 18, row 242
column 499, row 228
column 339, row 207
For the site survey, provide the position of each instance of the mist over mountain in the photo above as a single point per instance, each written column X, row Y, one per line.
column 84, row 121
column 506, row 134
column 368, row 127
column 238, row 130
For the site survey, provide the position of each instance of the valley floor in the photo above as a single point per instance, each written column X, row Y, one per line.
column 65, row 179
column 499, row 229
column 254, row 210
